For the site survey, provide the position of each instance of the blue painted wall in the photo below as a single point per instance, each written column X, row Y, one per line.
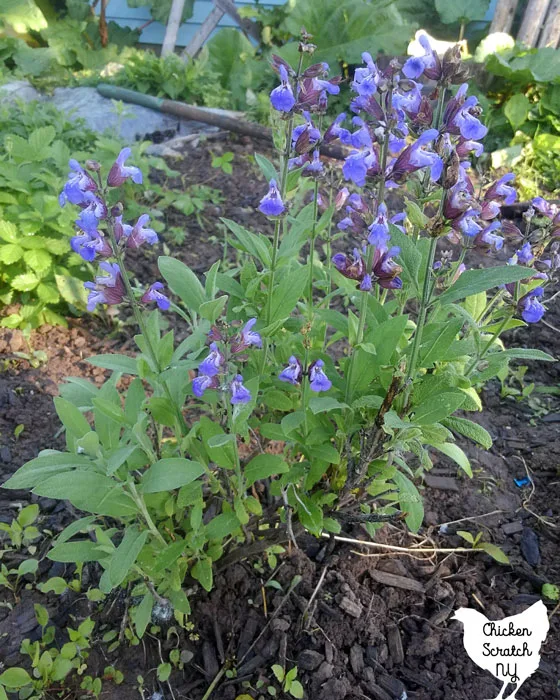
column 120, row 12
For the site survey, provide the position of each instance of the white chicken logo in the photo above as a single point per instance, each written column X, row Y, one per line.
column 508, row 648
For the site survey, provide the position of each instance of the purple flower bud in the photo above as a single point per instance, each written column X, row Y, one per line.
column 340, row 199
column 139, row 234
column 293, row 372
column 153, row 294
column 282, row 97
column 385, row 269
column 272, row 204
column 212, row 364
column 239, row 393
column 352, row 269
column 120, row 229
column 313, row 167
column 107, row 289
column 203, row 382
column 530, row 307
column 367, row 284
column 318, row 380
column 120, row 172
column 78, row 183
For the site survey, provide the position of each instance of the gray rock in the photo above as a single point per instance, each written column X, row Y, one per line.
column 323, row 673
column 100, row 115
column 19, row 90
column 357, row 659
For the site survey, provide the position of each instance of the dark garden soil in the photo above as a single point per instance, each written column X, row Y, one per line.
column 361, row 623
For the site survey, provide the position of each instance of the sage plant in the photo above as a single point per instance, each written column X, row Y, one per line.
column 353, row 362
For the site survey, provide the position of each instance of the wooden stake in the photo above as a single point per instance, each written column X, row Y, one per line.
column 172, row 29
column 503, row 16
column 550, row 35
column 533, row 21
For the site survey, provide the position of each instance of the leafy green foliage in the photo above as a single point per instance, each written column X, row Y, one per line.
column 524, row 94
column 195, row 82
column 461, row 10
column 37, row 268
column 342, row 28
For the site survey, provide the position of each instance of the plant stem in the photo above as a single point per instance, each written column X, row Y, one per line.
column 140, row 322
column 283, row 182
column 370, row 248
column 488, row 345
column 238, row 473
column 139, row 500
column 421, row 316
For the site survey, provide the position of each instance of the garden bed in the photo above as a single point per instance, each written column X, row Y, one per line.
column 356, row 626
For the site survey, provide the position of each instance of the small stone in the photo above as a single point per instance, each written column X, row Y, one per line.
column 392, row 686
column 395, row 644
column 280, row 625
column 371, row 656
column 357, row 659
column 512, row 528
column 323, row 673
column 530, row 547
column 350, row 607
column 309, row 660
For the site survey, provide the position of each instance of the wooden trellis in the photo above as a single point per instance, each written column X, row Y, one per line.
column 540, row 26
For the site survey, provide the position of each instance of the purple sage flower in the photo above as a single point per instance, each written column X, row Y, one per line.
column 366, row 79
column 379, row 229
column 530, row 307
column 501, row 192
column 78, row 183
column 139, row 234
column 212, row 364
column 282, row 97
column 239, row 393
column 88, row 245
column 153, row 294
column 352, row 268
column 318, row 380
column 203, row 382
column 107, row 289
column 120, row 172
column 247, row 337
column 460, row 116
column 93, row 210
column 293, row 372
column 525, row 254
column 415, row 157
column 467, row 223
column 272, row 204
column 429, row 63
